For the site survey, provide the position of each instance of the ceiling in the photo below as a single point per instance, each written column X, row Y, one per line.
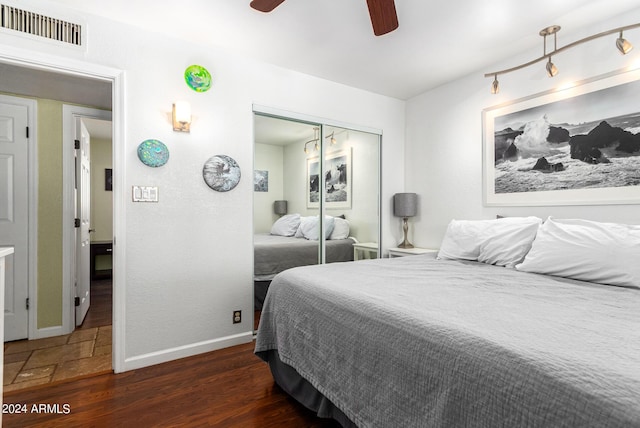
column 436, row 42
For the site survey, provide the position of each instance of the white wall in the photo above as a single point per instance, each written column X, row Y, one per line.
column 443, row 155
column 267, row 158
column 189, row 256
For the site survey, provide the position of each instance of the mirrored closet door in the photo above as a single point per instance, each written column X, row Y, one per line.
column 316, row 196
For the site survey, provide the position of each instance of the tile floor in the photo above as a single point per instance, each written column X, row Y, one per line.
column 30, row 363
column 86, row 351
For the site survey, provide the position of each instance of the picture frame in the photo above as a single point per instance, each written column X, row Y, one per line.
column 260, row 181
column 563, row 147
column 108, row 180
column 337, row 173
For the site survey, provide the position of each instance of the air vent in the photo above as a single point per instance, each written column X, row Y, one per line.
column 39, row 25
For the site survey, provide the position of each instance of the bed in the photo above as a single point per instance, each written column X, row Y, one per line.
column 273, row 254
column 293, row 242
column 448, row 342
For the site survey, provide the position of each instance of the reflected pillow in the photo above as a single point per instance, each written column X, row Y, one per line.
column 309, row 227
column 605, row 253
column 287, row 225
column 340, row 228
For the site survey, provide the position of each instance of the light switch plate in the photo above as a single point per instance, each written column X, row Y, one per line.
column 145, row 193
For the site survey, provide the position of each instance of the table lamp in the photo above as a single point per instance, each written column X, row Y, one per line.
column 405, row 205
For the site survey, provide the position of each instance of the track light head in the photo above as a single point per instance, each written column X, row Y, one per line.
column 623, row 45
column 495, row 86
column 552, row 70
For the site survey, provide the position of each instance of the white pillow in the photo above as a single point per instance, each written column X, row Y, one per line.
column 309, row 227
column 303, row 220
column 340, row 229
column 508, row 240
column 461, row 239
column 606, row 253
column 485, row 240
column 287, row 225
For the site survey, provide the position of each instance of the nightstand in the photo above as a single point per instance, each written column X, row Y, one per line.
column 403, row 252
column 365, row 250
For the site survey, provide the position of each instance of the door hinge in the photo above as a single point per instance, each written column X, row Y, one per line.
column 76, row 222
column 27, row 132
column 76, row 302
column 27, row 304
column 76, row 144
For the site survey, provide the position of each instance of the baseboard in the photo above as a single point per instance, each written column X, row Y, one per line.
column 171, row 354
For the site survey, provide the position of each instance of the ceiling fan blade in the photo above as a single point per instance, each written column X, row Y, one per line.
column 265, row 5
column 383, row 16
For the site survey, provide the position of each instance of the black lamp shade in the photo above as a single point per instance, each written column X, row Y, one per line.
column 280, row 207
column 405, row 204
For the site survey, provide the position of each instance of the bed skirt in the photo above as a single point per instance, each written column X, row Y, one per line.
column 299, row 388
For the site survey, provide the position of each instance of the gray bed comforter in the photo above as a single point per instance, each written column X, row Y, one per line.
column 273, row 254
column 418, row 342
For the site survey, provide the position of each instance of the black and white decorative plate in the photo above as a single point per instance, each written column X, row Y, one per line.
column 221, row 173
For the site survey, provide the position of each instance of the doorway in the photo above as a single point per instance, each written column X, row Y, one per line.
column 53, row 325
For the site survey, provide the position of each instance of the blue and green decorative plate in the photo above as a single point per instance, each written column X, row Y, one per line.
column 198, row 78
column 153, row 153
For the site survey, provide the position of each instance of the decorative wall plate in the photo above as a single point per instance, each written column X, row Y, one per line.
column 221, row 173
column 153, row 153
column 198, row 78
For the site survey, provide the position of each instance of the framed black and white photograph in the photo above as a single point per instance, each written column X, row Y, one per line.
column 108, row 179
column 260, row 181
column 576, row 146
column 337, row 180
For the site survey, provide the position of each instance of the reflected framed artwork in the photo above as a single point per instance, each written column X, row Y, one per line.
column 336, row 179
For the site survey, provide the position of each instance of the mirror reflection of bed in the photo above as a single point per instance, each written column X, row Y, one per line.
column 287, row 180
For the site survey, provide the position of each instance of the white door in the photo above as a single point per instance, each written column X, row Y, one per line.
column 14, row 216
column 83, row 217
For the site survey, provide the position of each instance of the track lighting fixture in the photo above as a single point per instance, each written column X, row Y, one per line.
column 316, row 140
column 495, row 86
column 552, row 70
column 623, row 45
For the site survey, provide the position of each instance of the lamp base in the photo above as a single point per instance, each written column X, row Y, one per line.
column 405, row 244
column 405, row 229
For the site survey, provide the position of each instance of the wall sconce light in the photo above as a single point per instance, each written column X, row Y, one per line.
column 623, row 45
column 181, row 116
column 280, row 207
column 405, row 205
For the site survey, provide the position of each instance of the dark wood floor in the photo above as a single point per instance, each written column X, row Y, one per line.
column 101, row 308
column 226, row 388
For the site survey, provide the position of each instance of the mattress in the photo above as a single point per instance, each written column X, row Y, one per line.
column 415, row 342
column 274, row 254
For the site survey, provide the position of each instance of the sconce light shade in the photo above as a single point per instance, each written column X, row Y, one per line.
column 181, row 116
column 280, row 207
column 405, row 205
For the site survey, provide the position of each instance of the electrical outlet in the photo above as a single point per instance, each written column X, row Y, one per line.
column 237, row 317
